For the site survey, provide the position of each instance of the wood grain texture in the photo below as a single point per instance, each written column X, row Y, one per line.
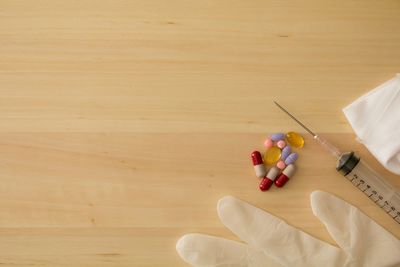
column 123, row 122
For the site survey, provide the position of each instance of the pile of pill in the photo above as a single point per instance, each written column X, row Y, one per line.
column 279, row 153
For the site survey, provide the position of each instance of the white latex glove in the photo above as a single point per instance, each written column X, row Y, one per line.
column 272, row 242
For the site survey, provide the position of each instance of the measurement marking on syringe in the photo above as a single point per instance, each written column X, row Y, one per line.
column 376, row 197
column 389, row 210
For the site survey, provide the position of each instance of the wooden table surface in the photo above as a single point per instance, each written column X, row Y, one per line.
column 123, row 122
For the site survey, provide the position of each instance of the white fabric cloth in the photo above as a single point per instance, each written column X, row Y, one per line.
column 375, row 118
column 272, row 242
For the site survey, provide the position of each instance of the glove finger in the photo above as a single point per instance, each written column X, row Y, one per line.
column 354, row 232
column 204, row 250
column 280, row 241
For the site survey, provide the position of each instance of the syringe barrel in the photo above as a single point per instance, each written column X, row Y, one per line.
column 372, row 184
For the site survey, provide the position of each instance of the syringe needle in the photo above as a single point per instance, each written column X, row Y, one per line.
column 295, row 119
column 334, row 151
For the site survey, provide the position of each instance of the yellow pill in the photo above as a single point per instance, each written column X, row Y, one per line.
column 272, row 155
column 295, row 139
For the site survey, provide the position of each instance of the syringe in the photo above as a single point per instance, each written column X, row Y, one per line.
column 360, row 174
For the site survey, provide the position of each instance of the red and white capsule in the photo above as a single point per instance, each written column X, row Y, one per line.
column 286, row 174
column 268, row 180
column 258, row 164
